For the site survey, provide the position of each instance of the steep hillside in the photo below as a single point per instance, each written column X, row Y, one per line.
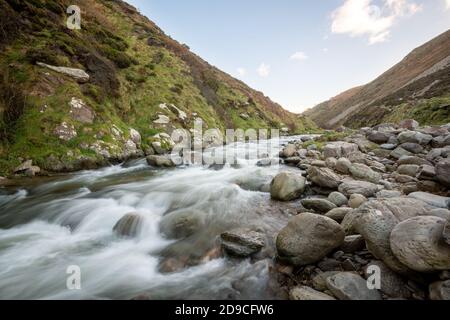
column 417, row 87
column 138, row 80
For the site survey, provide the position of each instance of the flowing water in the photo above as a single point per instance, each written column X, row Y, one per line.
column 49, row 224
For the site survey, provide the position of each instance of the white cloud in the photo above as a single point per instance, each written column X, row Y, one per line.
column 447, row 4
column 263, row 70
column 325, row 50
column 299, row 55
column 362, row 17
column 242, row 72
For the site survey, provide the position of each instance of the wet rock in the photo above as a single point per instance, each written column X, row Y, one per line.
column 408, row 169
column 338, row 214
column 431, row 199
column 160, row 161
column 338, row 199
column 129, row 225
column 350, row 286
column 391, row 283
column 79, row 75
column 412, row 147
column 308, row 238
column 319, row 281
column 356, row 200
column 318, row 205
column 362, row 172
column 414, row 137
column 289, row 151
column 443, row 172
column 440, row 290
column 242, row 242
column 287, row 186
column 400, row 152
column 353, row 244
column 417, row 243
column 293, row 160
column 181, row 224
column 324, row 177
column 349, row 187
column 343, row 165
column 303, row 293
column 409, row 124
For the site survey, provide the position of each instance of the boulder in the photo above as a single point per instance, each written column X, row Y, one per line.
column 24, row 167
column 391, row 283
column 362, row 172
column 242, row 242
column 349, row 187
column 308, row 238
column 414, row 137
column 338, row 199
column 319, row 281
column 292, row 160
column 408, row 169
column 446, row 232
column 338, row 214
column 441, row 141
column 400, row 152
column 412, row 147
column 388, row 146
column 289, row 151
column 160, row 161
column 331, row 162
column 324, row 177
column 356, row 200
column 431, row 199
column 79, row 75
column 440, row 290
column 409, row 124
column 383, row 194
column 181, row 224
column 287, row 186
column 339, row 149
column 343, row 166
column 426, row 172
column 378, row 137
column 350, row 286
column 303, row 293
column 129, row 225
column 65, row 131
column 353, row 243
column 80, row 112
column 318, row 205
column 417, row 243
column 135, row 136
column 162, row 119
column 443, row 172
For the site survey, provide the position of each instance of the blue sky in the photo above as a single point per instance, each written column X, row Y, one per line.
column 300, row 52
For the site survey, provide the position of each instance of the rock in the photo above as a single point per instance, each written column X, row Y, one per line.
column 162, row 119
column 242, row 242
column 338, row 199
column 443, row 172
column 417, row 243
column 388, row 194
column 293, row 160
column 362, row 172
column 400, row 152
column 308, row 238
column 287, row 186
column 376, row 166
column 289, row 151
column 65, row 131
column 319, row 281
column 408, row 169
column 412, row 147
column 440, row 290
column 343, row 165
column 353, row 244
column 328, row 264
column 318, row 205
column 415, row 137
column 331, row 162
column 303, row 293
column 441, row 142
column 431, row 199
column 135, row 136
column 129, row 225
column 388, row 146
column 413, row 160
column 160, row 161
column 446, row 232
column 356, row 200
column 324, row 177
column 350, row 286
column 382, row 153
column 338, row 214
column 403, row 178
column 80, row 112
column 181, row 224
column 24, row 166
column 391, row 284
column 426, row 172
column 339, row 149
column 79, row 75
column 349, row 187
column 319, row 164
column 409, row 124
column 32, row 171
column 378, row 137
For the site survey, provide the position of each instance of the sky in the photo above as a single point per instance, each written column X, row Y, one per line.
column 300, row 52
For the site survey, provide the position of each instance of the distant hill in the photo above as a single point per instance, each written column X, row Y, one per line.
column 417, row 87
column 138, row 78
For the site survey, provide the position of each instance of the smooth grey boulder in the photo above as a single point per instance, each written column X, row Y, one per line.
column 289, row 151
column 318, row 205
column 338, row 199
column 349, row 187
column 399, row 152
column 440, row 290
column 408, row 169
column 287, row 186
column 391, row 283
column 431, row 199
column 443, row 172
column 338, row 214
column 242, row 242
column 418, row 244
column 308, row 238
column 350, row 286
column 343, row 166
column 323, row 177
column 181, row 224
column 303, row 293
column 160, row 161
column 379, row 137
column 414, row 137
column 412, row 147
column 362, row 172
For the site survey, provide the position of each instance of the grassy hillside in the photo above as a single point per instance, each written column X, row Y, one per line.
column 134, row 68
column 406, row 90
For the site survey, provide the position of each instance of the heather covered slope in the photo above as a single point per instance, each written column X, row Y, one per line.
column 139, row 78
column 418, row 87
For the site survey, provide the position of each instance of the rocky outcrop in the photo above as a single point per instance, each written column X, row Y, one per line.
column 79, row 75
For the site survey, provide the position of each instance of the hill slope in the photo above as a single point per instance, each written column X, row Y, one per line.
column 139, row 78
column 417, row 87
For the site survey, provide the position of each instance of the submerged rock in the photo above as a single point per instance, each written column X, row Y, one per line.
column 160, row 161
column 242, row 242
column 129, row 225
column 181, row 224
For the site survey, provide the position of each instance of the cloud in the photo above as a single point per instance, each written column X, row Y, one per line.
column 363, row 18
column 447, row 4
column 263, row 70
column 299, row 55
column 242, row 72
column 325, row 50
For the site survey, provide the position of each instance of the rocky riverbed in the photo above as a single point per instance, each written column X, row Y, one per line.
column 313, row 228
